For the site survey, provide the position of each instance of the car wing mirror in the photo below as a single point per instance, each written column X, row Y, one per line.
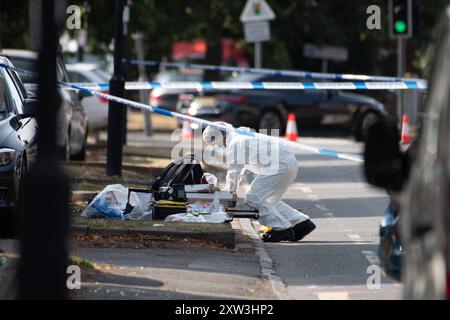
column 30, row 109
column 384, row 162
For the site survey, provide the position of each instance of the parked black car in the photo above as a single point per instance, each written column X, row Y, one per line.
column 72, row 123
column 18, row 142
column 269, row 109
column 168, row 98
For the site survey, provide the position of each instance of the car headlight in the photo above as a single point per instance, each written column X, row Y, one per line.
column 6, row 156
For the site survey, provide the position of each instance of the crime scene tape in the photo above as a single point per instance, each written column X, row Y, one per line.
column 204, row 123
column 278, row 72
column 199, row 86
column 200, row 122
column 220, row 85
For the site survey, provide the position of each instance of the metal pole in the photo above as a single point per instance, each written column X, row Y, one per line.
column 127, row 55
column 43, row 205
column 143, row 94
column 116, row 110
column 258, row 55
column 400, row 72
column 324, row 65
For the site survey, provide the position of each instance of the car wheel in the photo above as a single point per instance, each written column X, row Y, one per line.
column 81, row 156
column 270, row 120
column 9, row 221
column 66, row 154
column 364, row 124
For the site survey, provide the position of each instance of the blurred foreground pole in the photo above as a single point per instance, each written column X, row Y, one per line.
column 126, row 55
column 400, row 73
column 44, row 203
column 143, row 94
column 116, row 110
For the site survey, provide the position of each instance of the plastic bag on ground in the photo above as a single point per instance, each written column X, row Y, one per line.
column 110, row 203
column 202, row 211
column 184, row 217
column 217, row 217
column 140, row 203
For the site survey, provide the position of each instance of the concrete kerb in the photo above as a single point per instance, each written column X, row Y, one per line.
column 266, row 263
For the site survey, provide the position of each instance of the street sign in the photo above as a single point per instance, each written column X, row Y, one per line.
column 325, row 52
column 257, row 31
column 255, row 17
column 257, row 10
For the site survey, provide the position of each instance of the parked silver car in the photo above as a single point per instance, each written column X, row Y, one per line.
column 96, row 108
column 72, row 122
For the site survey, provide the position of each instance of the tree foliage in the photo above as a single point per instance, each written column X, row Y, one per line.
column 339, row 23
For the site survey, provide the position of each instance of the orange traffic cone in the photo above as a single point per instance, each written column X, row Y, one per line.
column 406, row 138
column 186, row 131
column 291, row 130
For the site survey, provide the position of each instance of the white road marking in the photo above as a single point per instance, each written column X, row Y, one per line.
column 321, row 207
column 343, row 295
column 306, row 189
column 329, row 214
column 313, row 197
column 354, row 237
column 371, row 256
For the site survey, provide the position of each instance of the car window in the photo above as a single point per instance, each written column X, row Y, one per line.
column 3, row 105
column 102, row 74
column 27, row 64
column 247, row 77
column 19, row 85
column 78, row 77
column 61, row 70
column 12, row 99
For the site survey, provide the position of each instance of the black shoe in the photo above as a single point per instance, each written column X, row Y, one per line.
column 302, row 229
column 279, row 235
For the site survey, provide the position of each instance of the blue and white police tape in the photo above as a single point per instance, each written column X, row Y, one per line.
column 19, row 70
column 220, row 85
column 200, row 122
column 204, row 123
column 278, row 72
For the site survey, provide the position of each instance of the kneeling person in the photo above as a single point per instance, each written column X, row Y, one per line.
column 275, row 168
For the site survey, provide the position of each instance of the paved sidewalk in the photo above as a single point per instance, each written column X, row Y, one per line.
column 178, row 273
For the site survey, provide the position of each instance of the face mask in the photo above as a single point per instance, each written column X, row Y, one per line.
column 219, row 150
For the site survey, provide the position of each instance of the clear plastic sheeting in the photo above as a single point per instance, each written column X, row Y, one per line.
column 111, row 202
column 184, row 217
column 202, row 211
column 217, row 217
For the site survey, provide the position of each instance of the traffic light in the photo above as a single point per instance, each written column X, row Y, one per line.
column 400, row 19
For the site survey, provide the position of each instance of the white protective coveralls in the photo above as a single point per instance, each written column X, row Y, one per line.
column 275, row 168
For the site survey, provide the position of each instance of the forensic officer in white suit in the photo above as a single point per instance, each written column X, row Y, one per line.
column 275, row 168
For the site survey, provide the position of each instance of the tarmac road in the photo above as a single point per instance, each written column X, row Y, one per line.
column 332, row 262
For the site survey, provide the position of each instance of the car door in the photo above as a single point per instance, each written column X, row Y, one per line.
column 78, row 122
column 25, row 129
column 304, row 103
column 336, row 109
